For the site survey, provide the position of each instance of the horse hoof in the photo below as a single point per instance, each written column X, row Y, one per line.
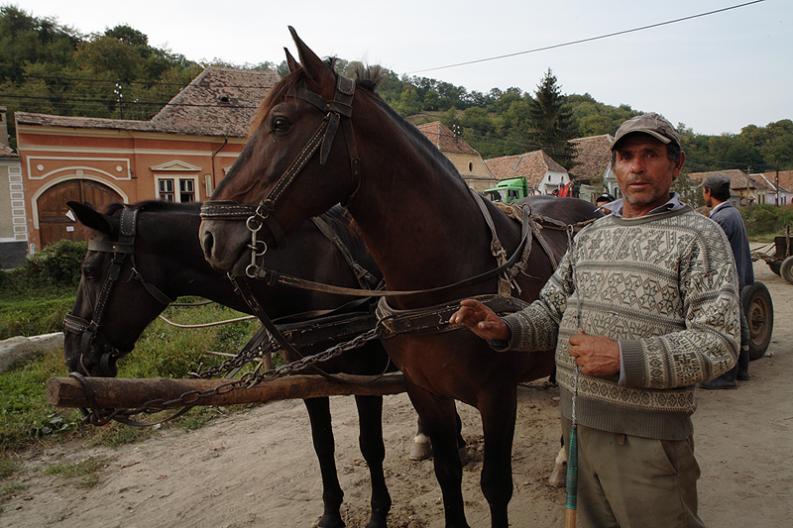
column 421, row 448
column 330, row 521
column 377, row 522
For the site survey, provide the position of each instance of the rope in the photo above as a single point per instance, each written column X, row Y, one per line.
column 207, row 325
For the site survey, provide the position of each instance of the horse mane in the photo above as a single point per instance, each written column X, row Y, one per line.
column 155, row 206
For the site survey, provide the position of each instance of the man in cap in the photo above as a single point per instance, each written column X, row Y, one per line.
column 602, row 201
column 643, row 306
column 716, row 191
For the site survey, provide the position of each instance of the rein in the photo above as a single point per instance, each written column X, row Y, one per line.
column 122, row 250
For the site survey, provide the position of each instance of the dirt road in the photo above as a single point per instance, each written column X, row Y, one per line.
column 258, row 468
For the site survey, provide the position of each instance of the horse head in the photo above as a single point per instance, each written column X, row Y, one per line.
column 300, row 159
column 114, row 301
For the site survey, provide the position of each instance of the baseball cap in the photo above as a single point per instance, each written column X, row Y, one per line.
column 651, row 124
column 717, row 183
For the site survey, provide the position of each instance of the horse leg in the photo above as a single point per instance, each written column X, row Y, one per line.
column 498, row 411
column 437, row 415
column 370, row 418
column 422, row 447
column 325, row 448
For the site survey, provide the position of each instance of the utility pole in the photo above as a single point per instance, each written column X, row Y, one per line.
column 117, row 90
column 777, row 184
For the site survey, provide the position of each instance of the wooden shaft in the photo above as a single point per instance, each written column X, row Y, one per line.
column 130, row 393
column 569, row 519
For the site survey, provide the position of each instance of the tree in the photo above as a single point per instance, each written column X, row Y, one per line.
column 551, row 121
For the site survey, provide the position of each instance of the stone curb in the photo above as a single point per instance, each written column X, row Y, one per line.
column 20, row 349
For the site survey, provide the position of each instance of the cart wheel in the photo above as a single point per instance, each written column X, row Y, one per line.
column 759, row 311
column 775, row 265
column 786, row 269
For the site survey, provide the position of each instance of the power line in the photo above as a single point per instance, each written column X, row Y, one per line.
column 589, row 39
column 114, row 101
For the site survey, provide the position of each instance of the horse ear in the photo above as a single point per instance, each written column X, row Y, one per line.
column 90, row 217
column 315, row 69
column 291, row 62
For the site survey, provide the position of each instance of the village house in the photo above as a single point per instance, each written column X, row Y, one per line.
column 591, row 167
column 464, row 157
column 13, row 232
column 543, row 175
column 748, row 189
column 179, row 155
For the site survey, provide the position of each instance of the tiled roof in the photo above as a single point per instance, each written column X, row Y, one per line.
column 593, row 155
column 7, row 152
column 443, row 138
column 219, row 102
column 531, row 165
column 738, row 178
column 785, row 178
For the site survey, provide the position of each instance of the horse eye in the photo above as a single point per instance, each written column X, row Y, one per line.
column 280, row 124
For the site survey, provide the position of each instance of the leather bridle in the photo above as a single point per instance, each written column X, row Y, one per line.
column 90, row 332
column 261, row 214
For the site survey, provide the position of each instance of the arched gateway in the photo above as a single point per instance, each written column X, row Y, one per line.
column 54, row 224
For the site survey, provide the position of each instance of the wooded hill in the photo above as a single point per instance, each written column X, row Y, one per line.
column 50, row 68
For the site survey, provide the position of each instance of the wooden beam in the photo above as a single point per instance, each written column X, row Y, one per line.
column 130, row 393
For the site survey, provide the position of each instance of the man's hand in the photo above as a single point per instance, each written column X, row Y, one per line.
column 595, row 355
column 480, row 320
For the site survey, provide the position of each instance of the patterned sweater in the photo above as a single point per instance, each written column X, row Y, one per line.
column 664, row 286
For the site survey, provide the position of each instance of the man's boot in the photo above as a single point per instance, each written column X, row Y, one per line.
column 743, row 365
column 725, row 381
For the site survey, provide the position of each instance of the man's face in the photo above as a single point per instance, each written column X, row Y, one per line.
column 644, row 172
column 706, row 195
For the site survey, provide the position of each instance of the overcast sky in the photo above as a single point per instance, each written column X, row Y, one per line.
column 716, row 74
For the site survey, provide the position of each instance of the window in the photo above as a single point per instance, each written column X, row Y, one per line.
column 176, row 189
column 470, row 166
column 186, row 191
column 165, row 190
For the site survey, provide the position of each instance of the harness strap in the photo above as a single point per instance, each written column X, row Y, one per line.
column 435, row 319
column 273, row 277
column 365, row 279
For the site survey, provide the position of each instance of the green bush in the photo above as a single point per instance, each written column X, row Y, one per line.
column 766, row 219
column 58, row 263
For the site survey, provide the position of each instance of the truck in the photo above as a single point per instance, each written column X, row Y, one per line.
column 509, row 191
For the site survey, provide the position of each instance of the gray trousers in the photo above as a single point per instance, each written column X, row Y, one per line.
column 632, row 482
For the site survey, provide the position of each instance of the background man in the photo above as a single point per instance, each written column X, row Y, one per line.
column 716, row 191
column 643, row 306
column 603, row 200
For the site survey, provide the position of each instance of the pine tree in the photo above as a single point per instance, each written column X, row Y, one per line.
column 551, row 122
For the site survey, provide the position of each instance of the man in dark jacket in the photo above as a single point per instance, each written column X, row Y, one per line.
column 716, row 190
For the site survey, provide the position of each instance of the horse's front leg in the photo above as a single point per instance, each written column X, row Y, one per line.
column 370, row 418
column 498, row 407
column 437, row 416
column 422, row 447
column 325, row 448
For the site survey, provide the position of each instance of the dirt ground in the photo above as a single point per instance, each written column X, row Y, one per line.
column 258, row 468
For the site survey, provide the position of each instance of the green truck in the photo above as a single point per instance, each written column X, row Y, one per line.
column 509, row 191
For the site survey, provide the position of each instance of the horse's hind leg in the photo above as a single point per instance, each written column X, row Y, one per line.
column 370, row 417
column 498, row 410
column 325, row 448
column 438, row 417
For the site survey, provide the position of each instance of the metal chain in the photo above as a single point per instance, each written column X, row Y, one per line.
column 97, row 416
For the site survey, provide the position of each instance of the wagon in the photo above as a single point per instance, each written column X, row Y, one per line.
column 781, row 260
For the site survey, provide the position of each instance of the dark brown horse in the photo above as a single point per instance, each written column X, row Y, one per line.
column 320, row 140
column 169, row 263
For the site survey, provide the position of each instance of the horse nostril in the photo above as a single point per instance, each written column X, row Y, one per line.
column 209, row 241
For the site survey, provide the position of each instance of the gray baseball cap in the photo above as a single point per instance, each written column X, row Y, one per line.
column 717, row 183
column 652, row 124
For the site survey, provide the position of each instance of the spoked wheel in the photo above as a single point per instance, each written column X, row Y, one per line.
column 786, row 269
column 759, row 312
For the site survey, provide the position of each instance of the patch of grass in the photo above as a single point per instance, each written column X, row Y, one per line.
column 11, row 489
column 39, row 313
column 162, row 351
column 85, row 472
column 8, row 467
